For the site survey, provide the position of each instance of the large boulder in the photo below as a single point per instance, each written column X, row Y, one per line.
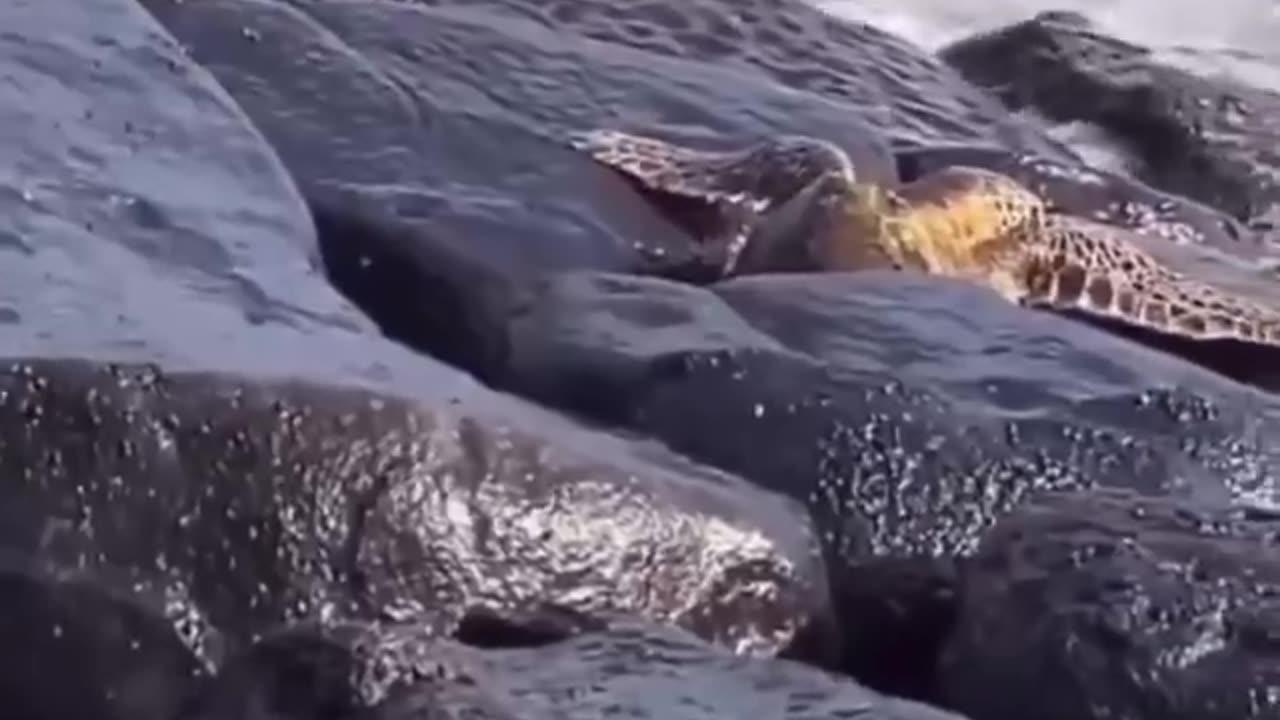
column 628, row 669
column 144, row 217
column 1209, row 138
column 1107, row 604
column 228, row 506
column 908, row 414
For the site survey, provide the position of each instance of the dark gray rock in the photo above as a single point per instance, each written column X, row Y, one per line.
column 144, row 217
column 1211, row 139
column 629, row 669
column 74, row 647
column 1107, row 604
column 908, row 413
column 233, row 505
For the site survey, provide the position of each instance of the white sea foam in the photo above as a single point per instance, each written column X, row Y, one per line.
column 1250, row 25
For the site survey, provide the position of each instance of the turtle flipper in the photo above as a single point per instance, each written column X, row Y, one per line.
column 1076, row 264
column 730, row 190
column 827, row 226
column 761, row 174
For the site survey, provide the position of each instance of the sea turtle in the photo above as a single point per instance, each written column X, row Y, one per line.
column 796, row 204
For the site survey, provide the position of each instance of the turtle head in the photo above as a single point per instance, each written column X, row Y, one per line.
column 958, row 221
column 827, row 225
column 834, row 224
column 871, row 222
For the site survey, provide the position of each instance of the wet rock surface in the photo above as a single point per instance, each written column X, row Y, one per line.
column 229, row 507
column 1109, row 604
column 75, row 647
column 625, row 670
column 288, row 510
column 908, row 416
column 927, row 373
column 1208, row 138
column 99, row 130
